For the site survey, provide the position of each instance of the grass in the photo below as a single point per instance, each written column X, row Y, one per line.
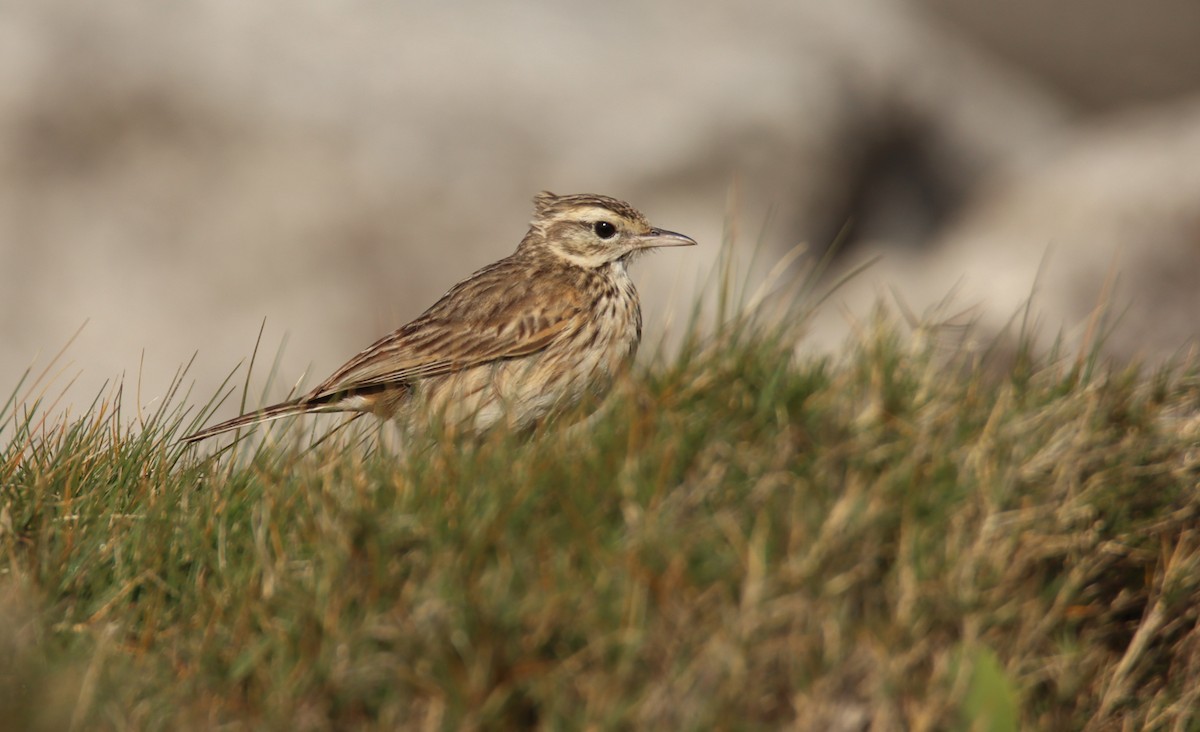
column 900, row 537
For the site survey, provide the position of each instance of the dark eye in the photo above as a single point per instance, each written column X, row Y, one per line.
column 604, row 230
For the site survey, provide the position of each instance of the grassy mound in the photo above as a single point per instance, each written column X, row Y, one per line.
column 743, row 539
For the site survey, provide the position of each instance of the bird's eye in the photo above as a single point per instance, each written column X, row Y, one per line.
column 604, row 229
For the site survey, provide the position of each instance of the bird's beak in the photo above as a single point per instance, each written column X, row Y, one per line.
column 662, row 238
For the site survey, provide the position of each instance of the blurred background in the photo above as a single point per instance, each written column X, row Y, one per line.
column 174, row 173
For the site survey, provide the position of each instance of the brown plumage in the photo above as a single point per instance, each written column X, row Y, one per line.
column 517, row 342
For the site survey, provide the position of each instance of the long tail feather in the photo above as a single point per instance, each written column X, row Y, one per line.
column 266, row 414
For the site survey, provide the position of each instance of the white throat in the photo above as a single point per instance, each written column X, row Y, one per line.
column 593, row 261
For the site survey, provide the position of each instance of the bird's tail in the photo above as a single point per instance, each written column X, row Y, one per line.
column 266, row 414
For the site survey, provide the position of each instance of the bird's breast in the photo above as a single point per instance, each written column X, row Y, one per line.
column 581, row 362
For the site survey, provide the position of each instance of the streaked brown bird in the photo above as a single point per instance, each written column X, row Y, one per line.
column 519, row 341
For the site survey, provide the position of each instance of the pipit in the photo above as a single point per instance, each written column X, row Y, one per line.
column 518, row 342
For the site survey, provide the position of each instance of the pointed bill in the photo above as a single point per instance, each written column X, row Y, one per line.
column 663, row 238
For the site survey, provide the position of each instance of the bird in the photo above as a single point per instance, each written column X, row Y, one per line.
column 519, row 342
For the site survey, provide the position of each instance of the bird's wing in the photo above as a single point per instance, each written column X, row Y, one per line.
column 483, row 319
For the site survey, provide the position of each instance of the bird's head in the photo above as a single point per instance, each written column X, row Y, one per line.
column 592, row 231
